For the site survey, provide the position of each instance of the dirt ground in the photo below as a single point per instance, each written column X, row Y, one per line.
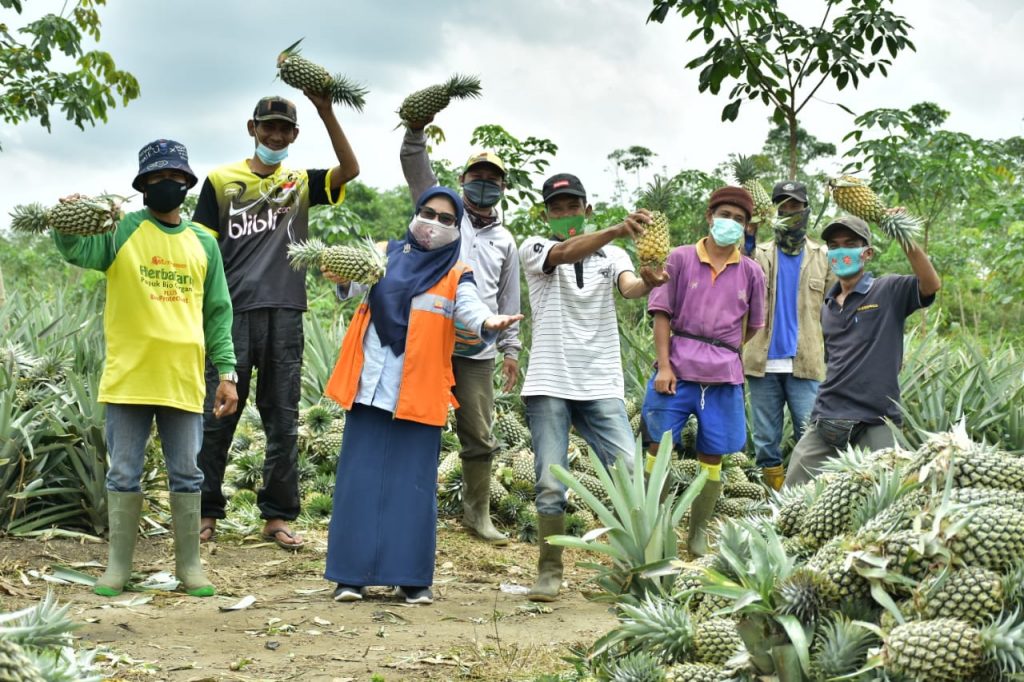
column 294, row 631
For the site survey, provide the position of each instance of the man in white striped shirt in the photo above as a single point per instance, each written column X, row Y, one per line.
column 574, row 377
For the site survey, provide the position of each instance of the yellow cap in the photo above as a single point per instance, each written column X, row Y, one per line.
column 485, row 157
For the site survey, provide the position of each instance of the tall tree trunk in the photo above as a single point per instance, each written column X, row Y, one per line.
column 791, row 120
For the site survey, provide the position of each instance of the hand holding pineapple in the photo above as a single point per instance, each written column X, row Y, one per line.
column 75, row 214
column 364, row 264
column 421, row 106
column 854, row 196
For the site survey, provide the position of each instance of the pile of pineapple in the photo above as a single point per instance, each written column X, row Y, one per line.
column 892, row 565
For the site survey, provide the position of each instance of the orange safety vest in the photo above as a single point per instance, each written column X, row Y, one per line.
column 425, row 391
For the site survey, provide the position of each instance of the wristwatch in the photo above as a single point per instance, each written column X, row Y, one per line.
column 229, row 376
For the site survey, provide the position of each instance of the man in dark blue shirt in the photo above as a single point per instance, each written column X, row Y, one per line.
column 862, row 321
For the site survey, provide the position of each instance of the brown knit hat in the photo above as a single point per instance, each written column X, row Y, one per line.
column 737, row 196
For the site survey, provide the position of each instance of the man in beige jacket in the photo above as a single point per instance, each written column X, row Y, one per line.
column 785, row 361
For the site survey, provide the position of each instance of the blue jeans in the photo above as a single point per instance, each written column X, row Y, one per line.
column 768, row 396
column 128, row 429
column 602, row 423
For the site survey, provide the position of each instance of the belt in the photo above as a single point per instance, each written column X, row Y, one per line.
column 708, row 340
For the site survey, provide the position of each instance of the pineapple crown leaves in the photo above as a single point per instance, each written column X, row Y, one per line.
column 30, row 218
column 43, row 625
column 657, row 196
column 461, row 86
column 1003, row 640
column 290, row 51
column 887, row 489
column 841, row 646
column 659, row 625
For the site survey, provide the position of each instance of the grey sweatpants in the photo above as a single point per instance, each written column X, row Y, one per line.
column 812, row 451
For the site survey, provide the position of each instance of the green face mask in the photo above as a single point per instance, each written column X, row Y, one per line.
column 566, row 227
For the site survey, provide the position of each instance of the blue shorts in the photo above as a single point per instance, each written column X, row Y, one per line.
column 721, row 415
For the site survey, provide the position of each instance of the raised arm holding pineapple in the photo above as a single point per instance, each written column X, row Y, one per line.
column 258, row 209
column 490, row 249
column 862, row 322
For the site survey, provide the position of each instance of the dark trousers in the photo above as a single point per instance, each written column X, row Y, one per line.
column 270, row 341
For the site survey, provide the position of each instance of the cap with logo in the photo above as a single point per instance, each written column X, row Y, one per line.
column 789, row 189
column 851, row 223
column 161, row 155
column 485, row 157
column 275, row 109
column 562, row 184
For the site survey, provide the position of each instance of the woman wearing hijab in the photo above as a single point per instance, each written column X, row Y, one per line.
column 394, row 376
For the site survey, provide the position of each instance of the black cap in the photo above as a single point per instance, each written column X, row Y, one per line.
column 789, row 189
column 161, row 155
column 560, row 184
column 851, row 223
column 275, row 108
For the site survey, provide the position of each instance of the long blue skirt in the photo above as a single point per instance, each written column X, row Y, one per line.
column 383, row 529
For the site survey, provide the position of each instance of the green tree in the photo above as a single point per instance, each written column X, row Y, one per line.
column 632, row 159
column 782, row 62
column 29, row 86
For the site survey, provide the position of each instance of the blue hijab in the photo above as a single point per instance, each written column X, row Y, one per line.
column 411, row 270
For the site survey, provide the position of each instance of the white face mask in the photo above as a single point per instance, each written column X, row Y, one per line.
column 430, row 234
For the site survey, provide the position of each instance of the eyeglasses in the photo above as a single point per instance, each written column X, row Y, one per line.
column 446, row 219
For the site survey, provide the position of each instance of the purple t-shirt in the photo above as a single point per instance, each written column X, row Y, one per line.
column 702, row 304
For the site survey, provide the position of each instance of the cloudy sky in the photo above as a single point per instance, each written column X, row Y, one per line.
column 588, row 74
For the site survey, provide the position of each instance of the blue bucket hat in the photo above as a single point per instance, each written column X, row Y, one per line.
column 163, row 155
column 438, row 190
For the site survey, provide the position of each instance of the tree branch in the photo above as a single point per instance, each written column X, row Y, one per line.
column 746, row 58
column 811, row 93
column 810, row 50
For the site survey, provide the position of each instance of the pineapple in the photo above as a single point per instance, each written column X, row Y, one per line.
column 15, row 665
column 510, row 430
column 447, row 465
column 806, row 594
column 951, row 649
column 303, row 74
column 524, row 468
column 424, row 104
column 854, row 196
column 653, row 245
column 746, row 489
column 498, row 492
column 832, row 512
column 77, row 215
column 694, row 672
column 744, row 168
column 715, row 641
column 666, row 629
column 363, row 264
column 972, row 594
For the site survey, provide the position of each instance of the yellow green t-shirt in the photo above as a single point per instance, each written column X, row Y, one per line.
column 167, row 306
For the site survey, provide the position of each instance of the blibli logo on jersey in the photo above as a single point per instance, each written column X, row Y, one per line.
column 244, row 224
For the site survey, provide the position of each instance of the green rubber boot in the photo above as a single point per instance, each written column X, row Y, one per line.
column 700, row 514
column 476, row 501
column 123, row 512
column 549, row 565
column 187, row 566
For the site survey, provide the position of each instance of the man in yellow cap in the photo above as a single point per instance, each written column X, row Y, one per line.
column 489, row 248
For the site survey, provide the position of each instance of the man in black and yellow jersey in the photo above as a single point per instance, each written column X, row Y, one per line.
column 256, row 208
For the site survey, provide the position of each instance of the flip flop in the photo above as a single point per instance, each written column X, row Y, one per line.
column 272, row 536
column 213, row 533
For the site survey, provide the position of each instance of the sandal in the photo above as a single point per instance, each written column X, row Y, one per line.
column 274, row 536
column 213, row 533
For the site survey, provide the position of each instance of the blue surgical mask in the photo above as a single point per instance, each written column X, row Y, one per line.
column 269, row 156
column 725, row 231
column 846, row 262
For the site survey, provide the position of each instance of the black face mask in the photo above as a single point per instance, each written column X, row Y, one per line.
column 165, row 196
column 482, row 193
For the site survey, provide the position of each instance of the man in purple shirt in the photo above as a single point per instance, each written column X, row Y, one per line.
column 713, row 303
